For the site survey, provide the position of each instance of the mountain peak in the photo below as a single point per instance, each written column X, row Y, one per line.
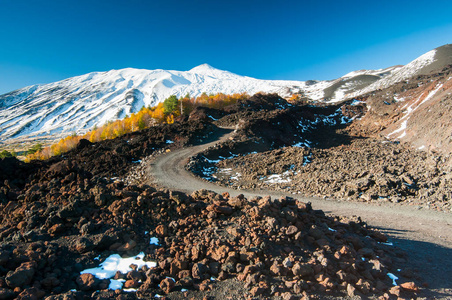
column 203, row 68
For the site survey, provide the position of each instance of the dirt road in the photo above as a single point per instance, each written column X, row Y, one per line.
column 425, row 235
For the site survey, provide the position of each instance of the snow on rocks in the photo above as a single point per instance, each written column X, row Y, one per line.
column 154, row 241
column 109, row 268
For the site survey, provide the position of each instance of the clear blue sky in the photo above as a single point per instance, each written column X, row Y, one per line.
column 50, row 40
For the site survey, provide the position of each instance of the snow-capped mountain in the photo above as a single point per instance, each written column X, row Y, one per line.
column 79, row 103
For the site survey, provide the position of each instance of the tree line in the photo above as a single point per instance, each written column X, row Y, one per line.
column 165, row 112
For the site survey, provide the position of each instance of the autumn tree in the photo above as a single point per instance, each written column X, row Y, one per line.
column 164, row 112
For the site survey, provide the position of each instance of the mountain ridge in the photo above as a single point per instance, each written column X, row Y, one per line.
column 79, row 103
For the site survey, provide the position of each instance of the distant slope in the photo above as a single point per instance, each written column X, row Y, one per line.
column 78, row 104
column 435, row 59
column 417, row 111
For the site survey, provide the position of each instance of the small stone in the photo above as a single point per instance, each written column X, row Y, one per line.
column 288, row 296
column 222, row 276
column 57, row 229
column 50, row 282
column 127, row 246
column 161, row 230
column 199, row 271
column 87, row 282
column 205, row 286
column 225, row 210
column 303, row 270
column 214, row 268
column 135, row 275
column 21, row 276
column 167, row 285
column 287, row 263
column 249, row 269
column 235, row 202
column 351, row 290
column 364, row 286
column 395, row 290
column 257, row 291
column 276, row 269
column 345, row 250
column 6, row 293
column 186, row 281
column 31, row 294
column 410, row 286
column 131, row 284
column 119, row 275
column 291, row 230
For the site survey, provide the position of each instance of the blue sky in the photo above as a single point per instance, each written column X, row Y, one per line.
column 45, row 41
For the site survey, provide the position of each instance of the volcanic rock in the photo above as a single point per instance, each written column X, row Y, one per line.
column 87, row 282
column 22, row 275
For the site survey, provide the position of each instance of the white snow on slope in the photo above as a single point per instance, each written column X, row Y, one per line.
column 410, row 109
column 79, row 103
column 401, row 73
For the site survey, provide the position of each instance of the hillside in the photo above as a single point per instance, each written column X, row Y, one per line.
column 416, row 111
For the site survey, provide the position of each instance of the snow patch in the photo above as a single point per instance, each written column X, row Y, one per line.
column 115, row 263
column 356, row 102
column 279, row 178
column 393, row 277
column 212, row 161
column 116, row 284
column 304, row 144
column 388, row 244
column 398, row 99
column 410, row 110
column 154, row 241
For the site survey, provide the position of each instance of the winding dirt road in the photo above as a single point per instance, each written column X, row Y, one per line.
column 425, row 235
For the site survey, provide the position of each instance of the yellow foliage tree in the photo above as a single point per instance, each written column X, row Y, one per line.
column 145, row 118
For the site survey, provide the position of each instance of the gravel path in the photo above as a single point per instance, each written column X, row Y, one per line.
column 425, row 235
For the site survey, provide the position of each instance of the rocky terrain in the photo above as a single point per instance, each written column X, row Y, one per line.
column 63, row 216
column 364, row 170
column 345, row 151
column 73, row 212
column 273, row 247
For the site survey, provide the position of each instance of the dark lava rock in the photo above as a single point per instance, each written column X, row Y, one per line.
column 21, row 276
column 87, row 282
